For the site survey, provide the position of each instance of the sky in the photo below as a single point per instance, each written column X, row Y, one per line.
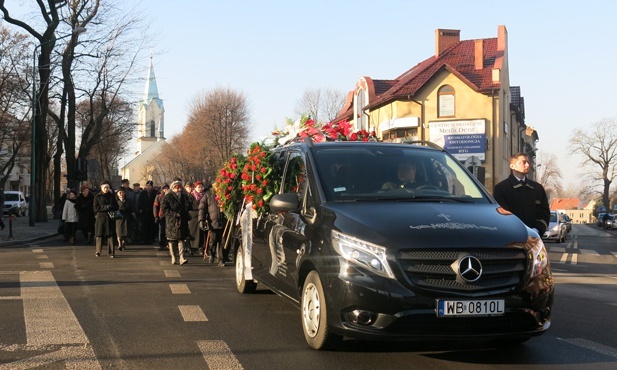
column 561, row 54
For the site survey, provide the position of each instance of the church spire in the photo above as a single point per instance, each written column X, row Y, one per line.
column 151, row 92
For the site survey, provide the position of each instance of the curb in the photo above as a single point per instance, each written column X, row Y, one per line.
column 22, row 242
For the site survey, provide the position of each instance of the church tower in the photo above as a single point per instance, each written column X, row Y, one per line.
column 150, row 115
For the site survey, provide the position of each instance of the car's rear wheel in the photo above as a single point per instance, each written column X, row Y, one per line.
column 244, row 286
column 315, row 315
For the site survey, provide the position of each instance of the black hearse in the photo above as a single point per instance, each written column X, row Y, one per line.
column 366, row 254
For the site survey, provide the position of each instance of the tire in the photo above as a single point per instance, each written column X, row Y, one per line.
column 315, row 315
column 244, row 286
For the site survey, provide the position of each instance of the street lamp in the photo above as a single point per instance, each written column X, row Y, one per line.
column 32, row 205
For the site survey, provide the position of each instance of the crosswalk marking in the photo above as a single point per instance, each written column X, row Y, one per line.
column 614, row 254
column 179, row 289
column 172, row 273
column 218, row 355
column 590, row 252
column 46, row 265
column 192, row 313
column 42, row 257
column 38, row 250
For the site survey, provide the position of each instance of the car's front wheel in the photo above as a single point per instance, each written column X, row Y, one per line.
column 244, row 286
column 315, row 315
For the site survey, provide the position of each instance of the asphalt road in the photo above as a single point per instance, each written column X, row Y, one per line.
column 62, row 307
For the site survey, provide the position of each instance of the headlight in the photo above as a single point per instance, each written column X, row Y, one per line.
column 364, row 254
column 537, row 253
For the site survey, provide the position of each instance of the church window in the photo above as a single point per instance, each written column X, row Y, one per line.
column 445, row 100
column 152, row 130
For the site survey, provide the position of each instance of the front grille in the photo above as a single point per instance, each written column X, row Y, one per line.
column 515, row 322
column 438, row 269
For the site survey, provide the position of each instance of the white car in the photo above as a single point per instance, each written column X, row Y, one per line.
column 15, row 203
column 557, row 229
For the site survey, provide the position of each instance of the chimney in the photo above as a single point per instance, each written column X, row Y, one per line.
column 479, row 54
column 445, row 39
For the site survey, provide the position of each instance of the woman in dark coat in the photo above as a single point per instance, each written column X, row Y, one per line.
column 196, row 235
column 104, row 225
column 175, row 206
column 125, row 206
column 211, row 219
column 84, row 205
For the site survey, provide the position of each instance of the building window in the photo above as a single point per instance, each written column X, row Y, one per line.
column 400, row 134
column 152, row 131
column 445, row 99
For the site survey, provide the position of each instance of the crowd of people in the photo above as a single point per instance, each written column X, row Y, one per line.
column 184, row 218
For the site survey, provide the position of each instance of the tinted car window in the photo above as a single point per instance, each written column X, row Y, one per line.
column 364, row 173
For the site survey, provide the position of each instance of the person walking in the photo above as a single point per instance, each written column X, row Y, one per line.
column 176, row 206
column 84, row 205
column 210, row 219
column 125, row 206
column 70, row 217
column 522, row 196
column 196, row 238
column 136, row 231
column 105, row 226
column 146, row 202
column 159, row 217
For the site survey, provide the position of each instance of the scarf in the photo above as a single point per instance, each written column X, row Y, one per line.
column 197, row 195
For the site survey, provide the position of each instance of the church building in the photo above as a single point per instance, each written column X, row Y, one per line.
column 150, row 135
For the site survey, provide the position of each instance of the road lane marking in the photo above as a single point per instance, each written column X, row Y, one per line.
column 574, row 258
column 47, row 315
column 172, row 273
column 42, row 257
column 614, row 254
column 39, row 250
column 593, row 346
column 179, row 289
column 50, row 324
column 564, row 258
column 46, row 265
column 192, row 313
column 218, row 355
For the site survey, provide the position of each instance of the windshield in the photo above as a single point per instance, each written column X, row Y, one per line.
column 374, row 171
column 11, row 197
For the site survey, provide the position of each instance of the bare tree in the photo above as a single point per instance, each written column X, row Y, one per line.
column 218, row 126
column 15, row 102
column 50, row 17
column 321, row 105
column 598, row 146
column 549, row 175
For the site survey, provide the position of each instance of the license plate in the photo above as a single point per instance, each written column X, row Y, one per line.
column 494, row 307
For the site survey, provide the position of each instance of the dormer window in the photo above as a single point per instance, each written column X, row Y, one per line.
column 445, row 100
column 360, row 103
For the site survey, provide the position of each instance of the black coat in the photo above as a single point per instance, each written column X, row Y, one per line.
column 85, row 210
column 103, row 204
column 528, row 202
column 176, row 211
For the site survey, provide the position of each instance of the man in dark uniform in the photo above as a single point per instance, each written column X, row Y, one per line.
column 523, row 197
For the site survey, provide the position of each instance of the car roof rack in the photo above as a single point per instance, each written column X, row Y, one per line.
column 424, row 143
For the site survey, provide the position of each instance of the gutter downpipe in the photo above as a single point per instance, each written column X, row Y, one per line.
column 493, row 155
column 421, row 115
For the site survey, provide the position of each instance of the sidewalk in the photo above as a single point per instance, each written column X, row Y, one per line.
column 23, row 234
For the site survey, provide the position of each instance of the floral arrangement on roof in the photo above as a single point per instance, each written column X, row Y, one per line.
column 253, row 178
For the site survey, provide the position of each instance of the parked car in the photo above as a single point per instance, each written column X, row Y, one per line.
column 360, row 260
column 557, row 229
column 15, row 203
column 611, row 222
column 568, row 222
